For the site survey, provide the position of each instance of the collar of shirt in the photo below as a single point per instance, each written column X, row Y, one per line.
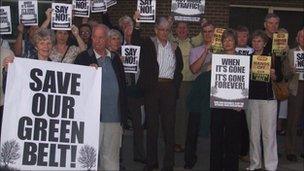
column 301, row 49
column 161, row 45
column 108, row 53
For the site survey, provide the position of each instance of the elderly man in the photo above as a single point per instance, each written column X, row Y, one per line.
column 160, row 77
column 112, row 97
column 271, row 24
column 295, row 100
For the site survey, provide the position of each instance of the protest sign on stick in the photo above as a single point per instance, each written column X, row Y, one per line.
column 216, row 45
column 299, row 63
column 98, row 6
column 279, row 43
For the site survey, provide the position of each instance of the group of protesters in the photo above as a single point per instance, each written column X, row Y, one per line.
column 173, row 85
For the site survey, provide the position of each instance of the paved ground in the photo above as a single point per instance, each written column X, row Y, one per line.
column 203, row 156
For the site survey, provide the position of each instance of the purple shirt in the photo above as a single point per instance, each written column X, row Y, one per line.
column 195, row 53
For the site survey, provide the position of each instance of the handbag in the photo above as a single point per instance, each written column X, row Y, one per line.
column 280, row 90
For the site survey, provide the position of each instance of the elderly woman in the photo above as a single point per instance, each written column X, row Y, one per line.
column 114, row 41
column 262, row 112
column 43, row 42
column 225, row 124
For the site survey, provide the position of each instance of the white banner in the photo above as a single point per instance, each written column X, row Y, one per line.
column 61, row 16
column 229, row 81
column 131, row 55
column 5, row 20
column 110, row 2
column 98, row 6
column 81, row 8
column 28, row 12
column 187, row 10
column 299, row 63
column 147, row 10
column 51, row 116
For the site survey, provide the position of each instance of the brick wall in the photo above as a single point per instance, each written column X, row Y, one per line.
column 216, row 11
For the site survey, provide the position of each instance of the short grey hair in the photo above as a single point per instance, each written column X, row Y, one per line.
column 271, row 15
column 125, row 19
column 43, row 34
column 161, row 21
column 100, row 26
column 113, row 33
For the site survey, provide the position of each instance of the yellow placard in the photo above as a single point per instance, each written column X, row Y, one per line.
column 279, row 43
column 217, row 40
column 260, row 68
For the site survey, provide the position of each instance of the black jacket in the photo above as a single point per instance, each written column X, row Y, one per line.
column 88, row 57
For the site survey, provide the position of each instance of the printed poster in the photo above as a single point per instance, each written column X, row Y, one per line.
column 279, row 43
column 82, row 8
column 28, row 12
column 229, row 81
column 217, row 40
column 5, row 20
column 110, row 2
column 61, row 16
column 187, row 10
column 147, row 10
column 260, row 68
column 48, row 116
column 131, row 56
column 98, row 6
column 244, row 51
column 299, row 63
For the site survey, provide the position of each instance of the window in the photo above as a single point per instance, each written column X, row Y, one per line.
column 291, row 19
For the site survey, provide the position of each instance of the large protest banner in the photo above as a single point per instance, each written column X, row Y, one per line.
column 110, row 2
column 147, row 10
column 51, row 116
column 229, row 81
column 187, row 10
column 299, row 63
column 28, row 12
column 81, row 8
column 61, row 16
column 5, row 20
column 98, row 6
column 260, row 68
column 131, row 56
column 279, row 43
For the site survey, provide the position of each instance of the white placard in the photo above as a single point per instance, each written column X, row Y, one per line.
column 5, row 20
column 28, row 12
column 61, row 16
column 81, row 8
column 131, row 55
column 51, row 116
column 299, row 63
column 98, row 6
column 187, row 10
column 244, row 51
column 147, row 10
column 229, row 81
column 110, row 3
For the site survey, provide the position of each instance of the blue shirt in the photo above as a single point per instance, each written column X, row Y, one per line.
column 109, row 92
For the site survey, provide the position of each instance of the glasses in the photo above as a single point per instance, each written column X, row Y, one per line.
column 84, row 32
